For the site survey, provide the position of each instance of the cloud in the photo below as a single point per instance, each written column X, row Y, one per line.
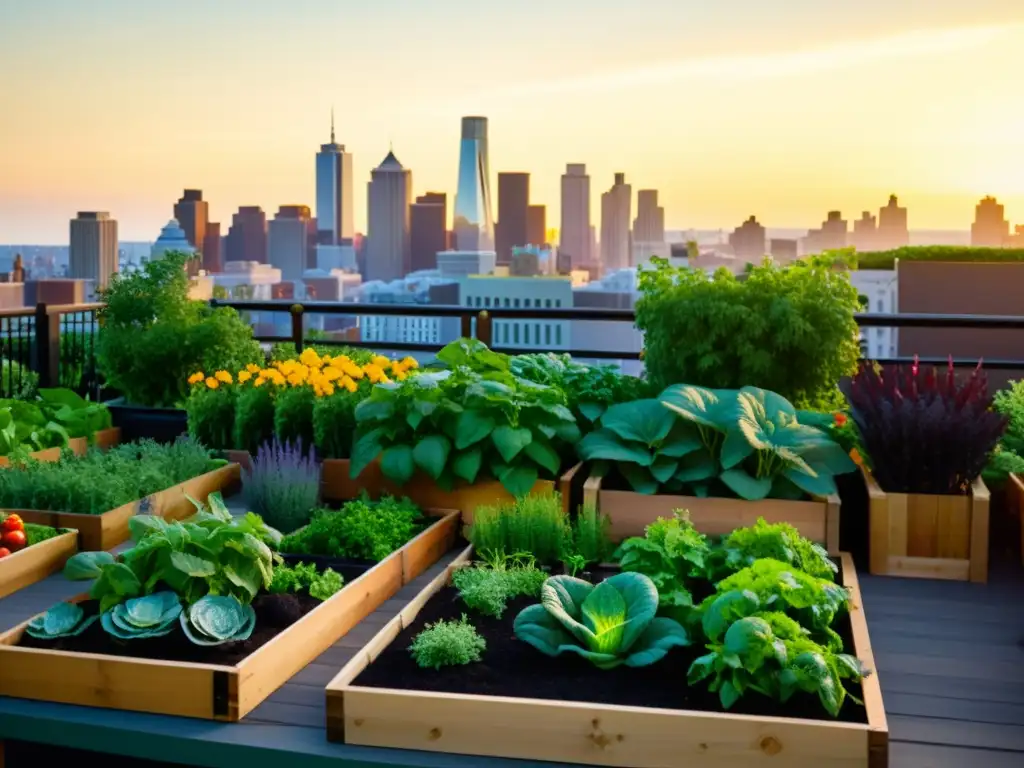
column 746, row 67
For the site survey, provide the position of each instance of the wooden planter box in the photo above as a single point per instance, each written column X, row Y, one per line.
column 631, row 512
column 599, row 734
column 107, row 530
column 103, row 439
column 336, row 485
column 1015, row 504
column 210, row 691
column 929, row 536
column 47, row 454
column 35, row 563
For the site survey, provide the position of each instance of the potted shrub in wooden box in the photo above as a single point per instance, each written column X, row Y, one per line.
column 694, row 655
column 728, row 456
column 927, row 436
column 30, row 552
column 475, row 433
column 98, row 494
column 200, row 618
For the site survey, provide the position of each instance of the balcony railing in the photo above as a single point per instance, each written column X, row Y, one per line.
column 54, row 345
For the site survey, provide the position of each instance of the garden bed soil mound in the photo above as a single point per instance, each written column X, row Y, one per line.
column 274, row 614
column 510, row 667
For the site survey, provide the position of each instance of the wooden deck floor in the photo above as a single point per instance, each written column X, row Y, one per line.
column 950, row 660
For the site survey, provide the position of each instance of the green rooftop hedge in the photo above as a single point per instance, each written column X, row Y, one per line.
column 887, row 259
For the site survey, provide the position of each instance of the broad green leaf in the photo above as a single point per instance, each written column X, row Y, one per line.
column 546, row 456
column 604, row 444
column 397, row 463
column 472, row 426
column 822, row 485
column 640, row 597
column 519, row 480
column 466, row 464
column 745, row 485
column 663, row 468
column 367, row 448
column 568, row 432
column 701, row 668
column 591, row 411
column 681, row 441
column 696, row 467
column 374, row 409
column 604, row 613
column 192, row 565
column 713, row 408
column 535, row 626
column 510, row 440
column 728, row 694
column 660, row 636
column 643, row 421
column 86, row 565
column 727, row 608
column 736, row 448
column 750, row 639
column 830, row 457
column 431, row 454
column 639, row 478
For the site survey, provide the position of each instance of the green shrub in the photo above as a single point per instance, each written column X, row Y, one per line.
column 305, row 577
column 447, row 644
column 591, row 539
column 293, row 416
column 152, row 336
column 360, row 530
column 487, row 589
column 949, row 253
column 254, row 418
column 17, row 381
column 211, row 416
column 789, row 330
column 536, row 525
column 334, row 422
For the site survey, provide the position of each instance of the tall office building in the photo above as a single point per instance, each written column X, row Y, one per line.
column 93, row 251
column 990, row 228
column 473, row 225
column 574, row 234
column 616, row 207
column 290, row 237
column 749, row 241
column 892, row 225
column 536, row 225
column 428, row 233
column 213, row 261
column 649, row 224
column 247, row 236
column 832, row 235
column 865, row 233
column 389, row 196
column 192, row 214
column 510, row 230
column 335, row 219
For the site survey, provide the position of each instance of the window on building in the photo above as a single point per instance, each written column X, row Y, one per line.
column 487, row 301
column 547, row 304
column 547, row 335
column 507, row 301
column 516, row 303
column 558, row 335
column 558, row 302
column 515, row 335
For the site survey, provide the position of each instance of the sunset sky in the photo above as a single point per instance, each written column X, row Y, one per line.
column 782, row 109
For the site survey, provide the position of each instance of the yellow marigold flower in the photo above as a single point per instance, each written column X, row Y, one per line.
column 384, row 380
column 380, row 361
column 310, row 358
column 223, row 376
column 327, row 388
column 196, row 377
column 330, row 373
column 350, row 385
column 252, row 368
column 260, row 381
column 211, row 382
column 296, row 380
column 401, row 375
column 244, row 376
column 410, row 362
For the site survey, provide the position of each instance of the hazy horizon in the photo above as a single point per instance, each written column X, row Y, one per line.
column 802, row 108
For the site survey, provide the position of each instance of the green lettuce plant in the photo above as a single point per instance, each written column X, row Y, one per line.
column 217, row 619
column 78, row 416
column 154, row 615
column 610, row 624
column 778, row 541
column 474, row 420
column 62, row 620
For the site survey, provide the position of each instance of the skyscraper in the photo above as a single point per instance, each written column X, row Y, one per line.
column 247, row 236
column 289, row 240
column 212, row 257
column 574, row 243
column 473, row 224
column 513, row 201
column 389, row 196
column 865, row 232
column 192, row 214
column 990, row 228
column 428, row 233
column 649, row 224
column 616, row 207
column 892, row 225
column 748, row 240
column 93, row 251
column 536, row 225
column 335, row 218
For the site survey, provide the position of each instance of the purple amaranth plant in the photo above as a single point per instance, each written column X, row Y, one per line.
column 282, row 485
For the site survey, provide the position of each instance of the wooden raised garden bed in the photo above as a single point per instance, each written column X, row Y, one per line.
column 1015, row 504
column 599, row 734
column 336, row 485
column 107, row 530
column 630, row 512
column 35, row 563
column 47, row 454
column 212, row 691
column 929, row 536
column 103, row 439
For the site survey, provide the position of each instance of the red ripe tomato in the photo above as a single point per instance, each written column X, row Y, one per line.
column 4, row 552
column 14, row 540
column 12, row 523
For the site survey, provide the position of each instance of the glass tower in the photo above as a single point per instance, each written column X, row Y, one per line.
column 334, row 209
column 473, row 226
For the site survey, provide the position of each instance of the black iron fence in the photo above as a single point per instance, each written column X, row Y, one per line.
column 55, row 345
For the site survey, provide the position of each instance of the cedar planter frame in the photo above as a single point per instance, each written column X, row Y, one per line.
column 47, row 454
column 630, row 513
column 107, row 530
column 1015, row 504
column 337, row 485
column 929, row 536
column 35, row 563
column 211, row 691
column 102, row 439
column 598, row 734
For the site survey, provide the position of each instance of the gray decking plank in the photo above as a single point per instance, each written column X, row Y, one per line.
column 944, row 707
column 907, row 755
column 956, row 733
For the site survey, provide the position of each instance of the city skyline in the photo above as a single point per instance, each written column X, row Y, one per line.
column 814, row 105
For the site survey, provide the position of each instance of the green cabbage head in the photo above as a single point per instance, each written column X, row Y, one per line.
column 218, row 619
column 609, row 624
column 141, row 617
column 63, row 620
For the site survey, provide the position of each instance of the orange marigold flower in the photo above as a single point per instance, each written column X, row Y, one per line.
column 252, row 368
column 840, row 419
column 196, row 377
column 244, row 376
column 211, row 382
column 223, row 376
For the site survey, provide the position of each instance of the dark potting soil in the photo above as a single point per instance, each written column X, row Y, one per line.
column 322, row 562
column 510, row 667
column 274, row 614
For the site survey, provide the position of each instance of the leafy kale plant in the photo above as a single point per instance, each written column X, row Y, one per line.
column 447, row 644
column 609, row 624
column 924, row 432
column 474, row 420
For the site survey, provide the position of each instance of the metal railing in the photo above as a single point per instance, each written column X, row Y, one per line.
column 55, row 345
